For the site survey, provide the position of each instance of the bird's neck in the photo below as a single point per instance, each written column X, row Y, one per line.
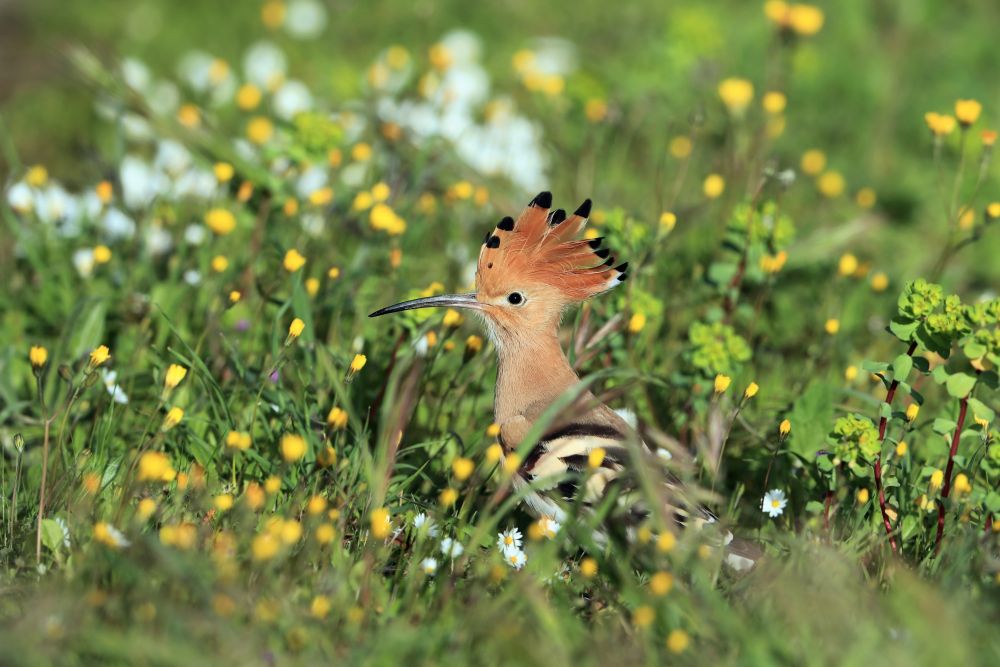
column 532, row 372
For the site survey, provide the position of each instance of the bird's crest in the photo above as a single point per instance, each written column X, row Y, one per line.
column 540, row 247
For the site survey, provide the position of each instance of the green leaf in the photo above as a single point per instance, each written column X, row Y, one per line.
column 981, row 410
column 814, row 507
column 901, row 366
column 88, row 329
column 921, row 364
column 52, row 534
column 909, row 526
column 939, row 374
column 993, row 501
column 874, row 366
column 943, row 426
column 903, row 329
column 960, row 384
column 812, row 415
column 974, row 350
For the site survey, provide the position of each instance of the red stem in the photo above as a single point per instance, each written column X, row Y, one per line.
column 827, row 502
column 963, row 407
column 877, row 467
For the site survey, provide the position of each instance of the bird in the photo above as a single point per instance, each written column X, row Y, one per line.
column 529, row 272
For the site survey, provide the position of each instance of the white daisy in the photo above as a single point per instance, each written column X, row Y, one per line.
column 305, row 19
column 509, row 540
column 429, row 565
column 118, row 394
column 451, row 548
column 774, row 503
column 515, row 558
column 425, row 524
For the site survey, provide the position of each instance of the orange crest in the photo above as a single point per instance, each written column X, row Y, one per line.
column 539, row 249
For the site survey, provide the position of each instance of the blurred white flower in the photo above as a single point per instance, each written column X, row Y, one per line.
column 192, row 277
column 163, row 98
column 195, row 70
column 118, row 394
column 451, row 548
column 313, row 224
column 196, row 183
column 136, row 127
column 305, row 19
column 429, row 565
column 195, row 234
column 264, row 65
column 311, row 180
column 774, row 503
column 664, row 453
column 515, row 558
column 21, row 198
column 171, row 157
column 509, row 540
column 136, row 74
column 423, row 523
column 140, row 182
column 158, row 240
column 54, row 204
column 83, row 260
column 354, row 174
column 462, row 45
column 554, row 56
column 117, row 225
column 292, row 98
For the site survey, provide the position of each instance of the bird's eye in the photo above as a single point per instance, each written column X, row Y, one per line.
column 515, row 298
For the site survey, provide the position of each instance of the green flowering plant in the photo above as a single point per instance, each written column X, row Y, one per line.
column 715, row 348
column 855, row 437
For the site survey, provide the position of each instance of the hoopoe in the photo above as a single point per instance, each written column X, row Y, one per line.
column 530, row 270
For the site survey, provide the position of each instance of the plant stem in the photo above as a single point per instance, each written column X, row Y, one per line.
column 963, row 407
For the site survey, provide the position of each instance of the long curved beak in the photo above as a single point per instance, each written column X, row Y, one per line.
column 442, row 301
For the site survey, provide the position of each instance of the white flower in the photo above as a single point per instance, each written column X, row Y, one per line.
column 140, row 182
column 195, row 69
column 774, row 503
column 65, row 531
column 21, row 198
column 195, row 234
column 423, row 523
column 118, row 394
column 515, row 558
column 509, row 540
column 429, row 565
column 192, row 277
column 291, row 99
column 158, row 240
column 664, row 453
column 549, row 526
column 264, row 64
column 311, row 180
column 83, row 260
column 462, row 45
column 135, row 73
column 117, row 225
column 163, row 98
column 172, row 157
column 451, row 548
column 305, row 19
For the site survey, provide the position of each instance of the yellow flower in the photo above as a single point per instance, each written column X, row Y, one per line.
column 175, row 373
column 145, row 508
column 713, row 186
column 831, row 184
column 189, row 116
column 154, row 467
column 452, row 318
column 293, row 261
column 293, row 447
column 784, row 428
column 235, row 296
column 851, row 373
column 865, row 198
column 220, row 220
column 862, row 496
column 512, row 463
column 989, row 138
column 588, row 567
column 678, row 641
column 462, row 468
column 666, row 542
column 880, row 281
column 813, row 162
column 806, row 20
column 260, row 130
column 326, row 457
column 722, row 383
column 493, row 430
column 380, row 523
column 238, row 440
column 290, row 207
column 643, row 616
column 668, row 221
column 661, row 583
column 358, row 362
column 832, row 326
column 962, row 485
column 109, row 536
column 773, row 263
column 473, row 344
column 336, row 418
column 38, row 355
column 290, row 531
column 102, row 254
column 220, row 263
column 325, row 533
column 937, row 479
column 173, row 418
column 320, row 606
column 223, row 171
column 967, row 111
column 223, row 502
column 940, row 124
column 321, row 197
column 361, row 152
column 680, row 147
column 264, row 546
column 751, row 390
column 248, row 97
column 380, row 192
column 316, row 506
column 333, row 273
column 448, row 497
column 296, row 328
column 901, row 449
column 362, row 201
column 736, row 94
column 105, row 190
column 272, row 485
column 37, row 176
column 912, row 410
column 493, row 453
column 596, row 109
column 848, row 264
column 636, row 323
column 774, row 102
column 99, row 355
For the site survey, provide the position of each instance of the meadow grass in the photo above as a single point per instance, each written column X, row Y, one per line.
column 211, row 455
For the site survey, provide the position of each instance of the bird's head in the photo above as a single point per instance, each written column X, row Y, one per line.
column 530, row 270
